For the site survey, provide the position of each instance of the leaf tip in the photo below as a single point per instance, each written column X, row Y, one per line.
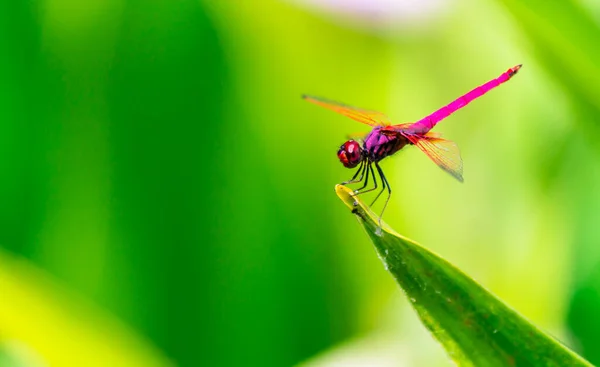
column 365, row 215
column 346, row 195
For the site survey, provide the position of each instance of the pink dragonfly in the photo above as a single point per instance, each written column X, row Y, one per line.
column 386, row 139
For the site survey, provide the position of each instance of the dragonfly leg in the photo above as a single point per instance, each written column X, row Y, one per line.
column 362, row 190
column 353, row 179
column 383, row 186
column 386, row 183
column 366, row 182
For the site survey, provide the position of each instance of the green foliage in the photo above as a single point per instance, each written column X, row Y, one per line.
column 153, row 154
column 564, row 36
column 44, row 324
column 565, row 39
column 475, row 327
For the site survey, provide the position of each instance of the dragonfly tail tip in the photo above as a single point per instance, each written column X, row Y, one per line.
column 512, row 71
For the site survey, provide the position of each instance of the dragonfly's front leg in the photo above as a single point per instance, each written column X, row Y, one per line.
column 366, row 176
column 362, row 189
column 361, row 170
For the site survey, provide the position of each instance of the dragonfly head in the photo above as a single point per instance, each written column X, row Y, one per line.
column 350, row 154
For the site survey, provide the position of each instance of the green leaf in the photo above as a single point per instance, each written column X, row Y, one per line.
column 475, row 327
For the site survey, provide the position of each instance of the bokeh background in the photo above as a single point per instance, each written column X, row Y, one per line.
column 167, row 197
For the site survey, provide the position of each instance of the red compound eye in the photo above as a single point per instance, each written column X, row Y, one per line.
column 350, row 154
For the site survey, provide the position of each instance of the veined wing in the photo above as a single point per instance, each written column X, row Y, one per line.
column 371, row 118
column 407, row 129
column 443, row 152
column 397, row 130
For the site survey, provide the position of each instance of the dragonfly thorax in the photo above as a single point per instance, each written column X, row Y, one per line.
column 379, row 145
column 350, row 154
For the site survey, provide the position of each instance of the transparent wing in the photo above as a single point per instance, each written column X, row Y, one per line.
column 400, row 129
column 433, row 134
column 443, row 152
column 404, row 129
column 371, row 118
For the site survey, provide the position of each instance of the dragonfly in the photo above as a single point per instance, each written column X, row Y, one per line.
column 385, row 139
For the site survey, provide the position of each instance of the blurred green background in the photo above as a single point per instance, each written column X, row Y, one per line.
column 167, row 197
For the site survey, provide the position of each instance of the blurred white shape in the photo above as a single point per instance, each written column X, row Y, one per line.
column 381, row 14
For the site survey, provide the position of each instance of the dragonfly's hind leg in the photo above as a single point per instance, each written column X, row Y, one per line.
column 385, row 184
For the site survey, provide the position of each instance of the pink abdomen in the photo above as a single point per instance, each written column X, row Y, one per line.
column 428, row 122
